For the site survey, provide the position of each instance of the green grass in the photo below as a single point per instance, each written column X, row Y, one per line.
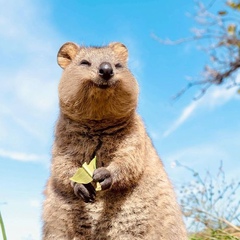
column 3, row 228
column 218, row 234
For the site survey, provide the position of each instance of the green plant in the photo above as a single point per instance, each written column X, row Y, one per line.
column 2, row 228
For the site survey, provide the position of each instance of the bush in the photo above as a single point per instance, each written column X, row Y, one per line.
column 210, row 206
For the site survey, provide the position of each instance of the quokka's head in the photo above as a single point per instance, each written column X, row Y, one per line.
column 96, row 83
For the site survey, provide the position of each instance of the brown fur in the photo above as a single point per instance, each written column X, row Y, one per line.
column 100, row 119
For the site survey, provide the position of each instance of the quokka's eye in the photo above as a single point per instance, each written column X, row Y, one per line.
column 85, row 62
column 118, row 65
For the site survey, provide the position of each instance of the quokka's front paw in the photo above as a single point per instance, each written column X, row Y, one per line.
column 84, row 191
column 103, row 176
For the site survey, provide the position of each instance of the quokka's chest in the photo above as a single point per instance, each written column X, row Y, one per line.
column 84, row 148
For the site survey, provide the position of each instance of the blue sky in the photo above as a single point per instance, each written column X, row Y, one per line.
column 198, row 134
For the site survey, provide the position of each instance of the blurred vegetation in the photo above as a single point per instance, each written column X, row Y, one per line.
column 4, row 237
column 211, row 205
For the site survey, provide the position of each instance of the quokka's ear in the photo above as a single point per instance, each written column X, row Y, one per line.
column 66, row 54
column 120, row 49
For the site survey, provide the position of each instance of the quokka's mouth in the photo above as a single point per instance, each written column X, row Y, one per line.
column 104, row 84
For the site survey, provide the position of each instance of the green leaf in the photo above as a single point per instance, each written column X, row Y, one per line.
column 238, row 91
column 85, row 173
column 98, row 187
column 81, row 176
column 92, row 165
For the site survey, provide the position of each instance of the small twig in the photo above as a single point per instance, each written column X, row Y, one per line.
column 220, row 219
column 202, row 92
column 187, row 87
column 210, row 5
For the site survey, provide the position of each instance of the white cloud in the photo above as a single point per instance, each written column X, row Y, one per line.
column 223, row 146
column 32, row 76
column 29, row 79
column 200, row 158
column 35, row 92
column 28, row 104
column 220, row 96
column 214, row 98
column 186, row 113
column 200, row 154
column 35, row 203
column 23, row 157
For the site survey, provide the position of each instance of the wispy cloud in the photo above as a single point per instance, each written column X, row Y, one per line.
column 214, row 98
column 220, row 96
column 35, row 203
column 198, row 155
column 29, row 79
column 28, row 102
column 207, row 155
column 186, row 113
column 23, row 157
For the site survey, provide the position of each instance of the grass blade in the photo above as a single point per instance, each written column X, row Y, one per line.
column 3, row 228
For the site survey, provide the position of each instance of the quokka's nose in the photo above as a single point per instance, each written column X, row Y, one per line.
column 105, row 71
